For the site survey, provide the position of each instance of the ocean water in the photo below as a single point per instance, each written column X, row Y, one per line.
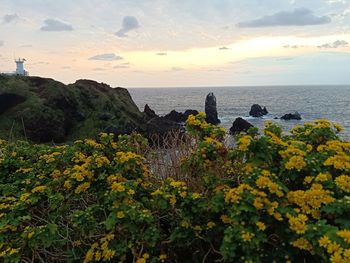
column 312, row 102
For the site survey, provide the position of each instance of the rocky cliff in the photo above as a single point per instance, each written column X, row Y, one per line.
column 45, row 110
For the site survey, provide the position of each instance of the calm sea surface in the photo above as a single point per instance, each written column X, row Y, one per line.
column 312, row 102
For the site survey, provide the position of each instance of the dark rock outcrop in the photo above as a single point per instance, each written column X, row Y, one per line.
column 174, row 116
column 187, row 113
column 44, row 110
column 149, row 113
column 179, row 117
column 291, row 116
column 257, row 111
column 9, row 100
column 240, row 125
column 160, row 126
column 210, row 109
column 118, row 131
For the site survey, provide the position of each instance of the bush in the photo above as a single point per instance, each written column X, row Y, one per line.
column 273, row 197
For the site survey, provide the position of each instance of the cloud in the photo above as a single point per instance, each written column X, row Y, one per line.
column 55, row 25
column 26, row 45
column 6, row 19
column 177, row 69
column 121, row 66
column 161, row 54
column 335, row 44
column 223, row 48
column 292, row 46
column 106, row 57
column 284, row 58
column 297, row 17
column 98, row 69
column 129, row 23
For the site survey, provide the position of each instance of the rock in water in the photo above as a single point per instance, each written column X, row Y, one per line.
column 210, row 109
column 257, row 111
column 240, row 125
column 291, row 116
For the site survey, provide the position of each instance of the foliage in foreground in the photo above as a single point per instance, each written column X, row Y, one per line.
column 282, row 197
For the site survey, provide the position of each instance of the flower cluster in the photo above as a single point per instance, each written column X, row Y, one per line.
column 270, row 198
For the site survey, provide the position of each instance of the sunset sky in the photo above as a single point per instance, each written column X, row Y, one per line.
column 174, row 43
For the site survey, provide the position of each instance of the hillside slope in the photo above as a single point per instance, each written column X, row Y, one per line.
column 45, row 110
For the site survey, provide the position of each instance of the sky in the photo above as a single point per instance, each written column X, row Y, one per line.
column 178, row 43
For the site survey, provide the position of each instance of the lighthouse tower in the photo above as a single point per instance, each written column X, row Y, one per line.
column 20, row 68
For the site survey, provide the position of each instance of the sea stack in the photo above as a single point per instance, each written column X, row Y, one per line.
column 210, row 109
column 257, row 111
column 240, row 125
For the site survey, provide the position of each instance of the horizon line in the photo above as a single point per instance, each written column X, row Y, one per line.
column 238, row 86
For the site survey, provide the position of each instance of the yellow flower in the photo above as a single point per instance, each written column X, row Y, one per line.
column 162, row 257
column 108, row 254
column 324, row 241
column 39, row 189
column 93, row 144
column 303, row 244
column 56, row 174
column 344, row 234
column 184, row 224
column 89, row 256
column 177, row 184
column 341, row 161
column 246, row 236
column 119, row 187
column 261, row 226
column 101, row 161
column 30, row 234
column 172, row 200
column 82, row 187
column 131, row 192
column 197, row 228
column 338, row 127
column 333, row 247
column 120, row 214
column 244, row 142
column 67, row 184
column 310, row 201
column 258, row 204
column 211, row 224
column 196, row 195
column 298, row 224
column 337, row 258
column 295, row 162
column 322, row 177
column 234, row 194
column 225, row 219
column 123, row 157
column 24, row 197
column 343, row 182
column 98, row 256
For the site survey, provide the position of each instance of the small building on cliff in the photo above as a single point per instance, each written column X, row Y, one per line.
column 20, row 71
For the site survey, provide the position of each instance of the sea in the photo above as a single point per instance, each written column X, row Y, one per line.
column 312, row 102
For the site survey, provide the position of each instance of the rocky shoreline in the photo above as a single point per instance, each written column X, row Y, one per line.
column 44, row 110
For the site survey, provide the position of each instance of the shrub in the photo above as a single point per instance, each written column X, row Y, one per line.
column 273, row 197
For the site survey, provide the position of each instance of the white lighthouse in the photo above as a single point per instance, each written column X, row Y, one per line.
column 20, row 67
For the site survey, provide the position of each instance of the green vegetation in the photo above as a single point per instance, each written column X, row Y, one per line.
column 44, row 110
column 273, row 197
